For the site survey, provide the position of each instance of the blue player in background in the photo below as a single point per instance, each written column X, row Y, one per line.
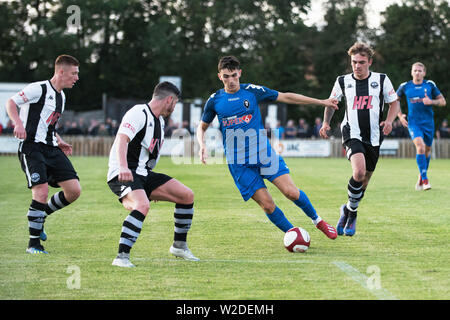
column 249, row 154
column 421, row 95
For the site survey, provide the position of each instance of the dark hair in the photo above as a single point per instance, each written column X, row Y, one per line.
column 362, row 49
column 165, row 89
column 65, row 59
column 229, row 62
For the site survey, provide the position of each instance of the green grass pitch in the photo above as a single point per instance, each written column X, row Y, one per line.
column 400, row 250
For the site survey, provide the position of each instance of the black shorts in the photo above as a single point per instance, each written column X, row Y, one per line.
column 45, row 164
column 371, row 153
column 149, row 183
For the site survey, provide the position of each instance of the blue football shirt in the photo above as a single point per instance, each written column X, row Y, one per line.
column 244, row 138
column 419, row 113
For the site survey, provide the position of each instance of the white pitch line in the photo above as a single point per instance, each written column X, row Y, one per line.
column 355, row 275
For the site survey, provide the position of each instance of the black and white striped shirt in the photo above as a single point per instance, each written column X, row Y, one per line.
column 41, row 107
column 364, row 101
column 146, row 133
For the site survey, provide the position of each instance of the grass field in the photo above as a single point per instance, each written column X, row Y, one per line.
column 400, row 251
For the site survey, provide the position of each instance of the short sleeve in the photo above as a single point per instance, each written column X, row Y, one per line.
column 209, row 113
column 262, row 93
column 132, row 122
column 434, row 89
column 401, row 90
column 336, row 92
column 30, row 94
column 388, row 91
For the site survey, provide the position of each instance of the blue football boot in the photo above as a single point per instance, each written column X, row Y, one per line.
column 342, row 220
column 350, row 227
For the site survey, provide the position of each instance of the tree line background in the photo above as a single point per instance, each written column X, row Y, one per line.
column 125, row 46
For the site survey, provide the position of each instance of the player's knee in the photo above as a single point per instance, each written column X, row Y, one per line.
column 73, row 194
column 292, row 194
column 142, row 207
column 359, row 174
column 189, row 197
column 268, row 206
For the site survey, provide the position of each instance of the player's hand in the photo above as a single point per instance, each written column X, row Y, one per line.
column 125, row 175
column 65, row 147
column 19, row 131
column 202, row 154
column 323, row 131
column 387, row 127
column 427, row 101
column 333, row 103
column 403, row 120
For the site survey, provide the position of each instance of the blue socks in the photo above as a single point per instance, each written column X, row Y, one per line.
column 422, row 163
column 304, row 204
column 278, row 218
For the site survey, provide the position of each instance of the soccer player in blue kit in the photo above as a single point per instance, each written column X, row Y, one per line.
column 421, row 95
column 249, row 154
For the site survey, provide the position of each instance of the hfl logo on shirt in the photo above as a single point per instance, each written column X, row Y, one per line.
column 362, row 102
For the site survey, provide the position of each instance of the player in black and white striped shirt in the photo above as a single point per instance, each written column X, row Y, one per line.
column 363, row 128
column 134, row 155
column 42, row 152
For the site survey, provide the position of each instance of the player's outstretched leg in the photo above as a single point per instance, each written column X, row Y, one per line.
column 303, row 203
column 183, row 219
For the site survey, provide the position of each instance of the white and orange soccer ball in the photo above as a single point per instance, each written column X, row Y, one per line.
column 297, row 240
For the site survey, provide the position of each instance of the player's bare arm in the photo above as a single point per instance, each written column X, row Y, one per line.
column 439, row 101
column 19, row 130
column 394, row 109
column 125, row 174
column 295, row 98
column 327, row 115
column 202, row 127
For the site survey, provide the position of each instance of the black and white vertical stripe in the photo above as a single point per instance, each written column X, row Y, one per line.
column 146, row 133
column 183, row 219
column 131, row 230
column 364, row 106
column 41, row 106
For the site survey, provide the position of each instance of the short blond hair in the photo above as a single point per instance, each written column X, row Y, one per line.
column 362, row 49
column 420, row 64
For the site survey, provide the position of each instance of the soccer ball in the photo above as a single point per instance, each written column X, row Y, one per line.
column 296, row 240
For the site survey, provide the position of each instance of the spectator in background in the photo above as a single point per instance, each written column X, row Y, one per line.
column 444, row 130
column 279, row 131
column 290, row 132
column 317, row 127
column 303, row 130
column 82, row 125
column 114, row 128
column 74, row 130
column 9, row 128
column 93, row 128
column 103, row 130
column 398, row 131
column 170, row 128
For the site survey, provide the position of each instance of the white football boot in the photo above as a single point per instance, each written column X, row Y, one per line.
column 123, row 260
column 426, row 185
column 419, row 183
column 186, row 254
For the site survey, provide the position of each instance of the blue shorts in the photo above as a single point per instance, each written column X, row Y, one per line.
column 425, row 132
column 250, row 178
